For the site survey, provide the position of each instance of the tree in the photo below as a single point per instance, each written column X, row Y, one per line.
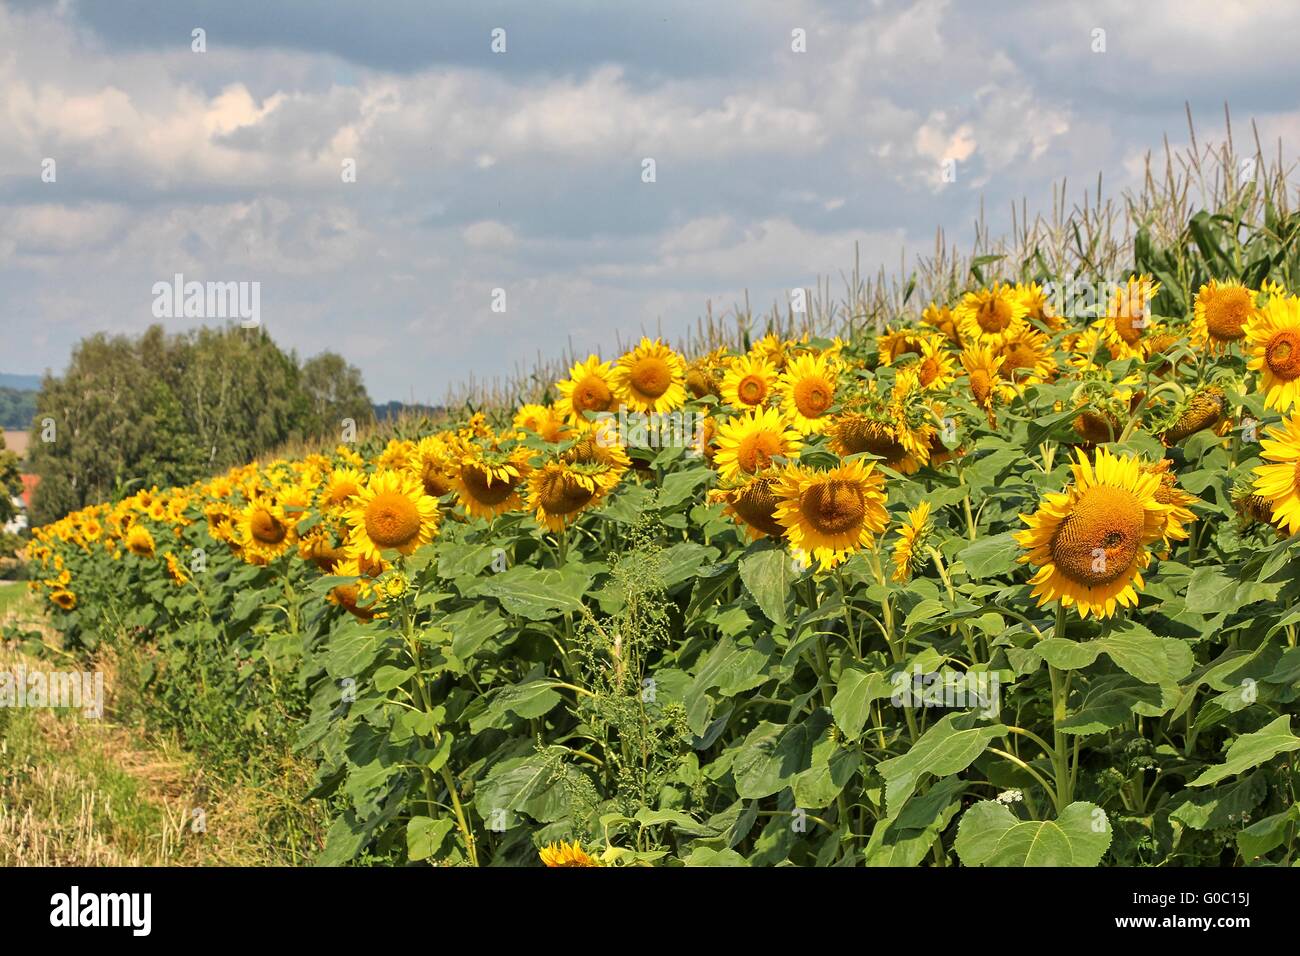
column 11, row 483
column 166, row 409
column 336, row 392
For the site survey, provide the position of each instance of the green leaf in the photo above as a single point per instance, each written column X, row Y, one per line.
column 424, row 836
column 990, row 835
column 1109, row 702
column 537, row 593
column 769, row 758
column 851, row 705
column 1268, row 834
column 990, row 556
column 1221, row 807
column 1251, row 750
column 949, row 747
column 527, row 700
column 768, row 575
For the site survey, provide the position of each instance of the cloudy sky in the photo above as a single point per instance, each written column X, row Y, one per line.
column 522, row 170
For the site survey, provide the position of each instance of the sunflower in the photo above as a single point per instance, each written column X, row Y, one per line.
column 991, row 317
column 317, row 546
column 752, row 505
column 983, row 370
column 1222, row 312
column 397, row 454
column 913, row 543
column 589, row 388
column 1273, row 338
column 139, row 541
column 392, row 513
column 895, row 343
column 435, row 463
column 543, row 420
column 1097, row 425
column 808, row 391
column 1204, row 408
column 774, row 349
column 175, row 570
column 1279, row 482
column 1038, row 305
column 263, row 530
column 565, row 854
column 651, row 378
column 748, row 443
column 63, row 598
column 1090, row 542
column 487, row 482
column 559, row 491
column 831, row 514
column 1128, row 317
column 935, row 370
column 1250, row 506
column 749, row 382
column 855, row 432
column 940, row 317
column 1027, row 358
column 360, row 598
column 1179, row 501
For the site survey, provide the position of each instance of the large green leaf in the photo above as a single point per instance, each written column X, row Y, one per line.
column 1251, row 750
column 949, row 747
column 990, row 835
column 769, row 575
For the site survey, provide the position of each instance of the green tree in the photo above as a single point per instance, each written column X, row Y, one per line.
column 11, row 483
column 336, row 392
column 165, row 409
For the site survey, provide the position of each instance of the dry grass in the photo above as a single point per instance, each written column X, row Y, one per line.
column 79, row 791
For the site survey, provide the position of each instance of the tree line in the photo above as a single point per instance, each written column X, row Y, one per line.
column 167, row 409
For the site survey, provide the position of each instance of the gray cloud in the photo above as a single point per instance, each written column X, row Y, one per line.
column 522, row 170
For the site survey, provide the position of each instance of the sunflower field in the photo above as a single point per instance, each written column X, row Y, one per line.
column 1009, row 583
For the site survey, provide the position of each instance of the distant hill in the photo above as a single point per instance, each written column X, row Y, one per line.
column 23, row 383
column 392, row 410
column 17, row 407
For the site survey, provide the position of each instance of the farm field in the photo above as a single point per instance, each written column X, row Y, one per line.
column 1004, row 576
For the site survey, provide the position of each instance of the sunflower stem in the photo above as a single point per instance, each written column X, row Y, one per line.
column 1060, row 694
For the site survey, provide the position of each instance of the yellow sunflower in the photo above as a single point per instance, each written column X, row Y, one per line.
column 749, row 382
column 1204, row 408
column 436, row 463
column 341, row 488
column 63, row 598
column 391, row 513
column 808, row 391
column 1221, row 314
column 935, row 370
column 566, row 854
column 139, row 541
column 487, row 483
column 175, row 570
column 1128, row 317
column 263, row 530
column 1279, row 482
column 1179, row 501
column 589, row 388
column 1027, row 359
column 543, row 420
column 991, row 317
column 910, row 550
column 940, row 317
column 854, row 432
column 748, row 443
column 651, row 378
column 1090, row 542
column 831, row 514
column 558, row 492
column 1038, row 305
column 983, row 370
column 896, row 343
column 752, row 505
column 1273, row 340
column 361, row 597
